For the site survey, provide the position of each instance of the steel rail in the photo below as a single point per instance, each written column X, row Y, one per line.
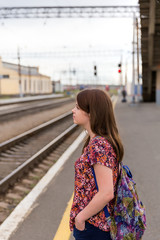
column 11, row 142
column 24, row 110
column 10, row 179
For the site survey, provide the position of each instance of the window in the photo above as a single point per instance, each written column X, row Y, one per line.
column 5, row 76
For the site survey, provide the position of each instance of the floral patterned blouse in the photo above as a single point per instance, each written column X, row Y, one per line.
column 98, row 151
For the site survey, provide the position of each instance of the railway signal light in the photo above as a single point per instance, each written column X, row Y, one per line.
column 119, row 68
column 95, row 70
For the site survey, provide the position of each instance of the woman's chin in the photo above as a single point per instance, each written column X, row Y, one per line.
column 74, row 121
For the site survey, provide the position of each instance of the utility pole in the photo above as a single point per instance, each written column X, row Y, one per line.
column 133, row 64
column 126, row 68
column 19, row 73
column 138, row 86
column 29, row 79
column 70, row 75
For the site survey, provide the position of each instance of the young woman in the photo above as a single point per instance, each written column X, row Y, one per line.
column 102, row 151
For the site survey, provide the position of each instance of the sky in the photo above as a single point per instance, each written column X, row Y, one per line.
column 77, row 44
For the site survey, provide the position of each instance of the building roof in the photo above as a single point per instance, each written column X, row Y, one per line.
column 25, row 70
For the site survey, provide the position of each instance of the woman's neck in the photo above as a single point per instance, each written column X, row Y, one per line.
column 91, row 134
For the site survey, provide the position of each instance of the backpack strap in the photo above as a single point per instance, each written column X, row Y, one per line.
column 105, row 208
column 127, row 171
column 126, row 168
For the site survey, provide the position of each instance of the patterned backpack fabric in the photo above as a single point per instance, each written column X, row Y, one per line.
column 128, row 221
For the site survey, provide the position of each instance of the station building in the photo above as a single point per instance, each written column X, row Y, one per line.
column 16, row 78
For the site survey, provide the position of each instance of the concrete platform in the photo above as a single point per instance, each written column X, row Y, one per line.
column 28, row 99
column 139, row 127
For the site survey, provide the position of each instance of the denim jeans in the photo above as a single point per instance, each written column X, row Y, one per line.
column 90, row 233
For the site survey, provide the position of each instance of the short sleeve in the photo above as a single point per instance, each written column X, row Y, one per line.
column 101, row 152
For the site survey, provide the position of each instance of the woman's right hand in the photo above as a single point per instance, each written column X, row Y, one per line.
column 79, row 224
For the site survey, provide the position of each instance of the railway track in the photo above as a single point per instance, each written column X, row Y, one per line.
column 13, row 111
column 23, row 151
column 29, row 161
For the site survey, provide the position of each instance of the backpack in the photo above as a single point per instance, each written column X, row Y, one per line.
column 128, row 220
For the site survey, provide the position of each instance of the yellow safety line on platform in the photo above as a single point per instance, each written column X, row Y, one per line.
column 115, row 101
column 63, row 232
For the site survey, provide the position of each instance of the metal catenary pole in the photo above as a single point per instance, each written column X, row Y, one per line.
column 133, row 62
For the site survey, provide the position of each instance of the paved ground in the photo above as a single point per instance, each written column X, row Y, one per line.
column 139, row 127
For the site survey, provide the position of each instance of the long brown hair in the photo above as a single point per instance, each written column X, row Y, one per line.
column 98, row 104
